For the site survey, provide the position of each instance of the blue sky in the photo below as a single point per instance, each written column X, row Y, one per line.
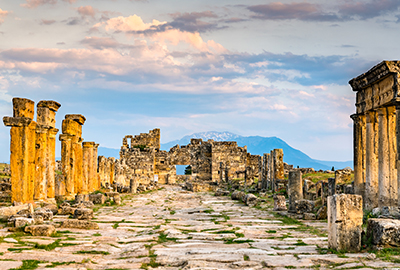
column 250, row 67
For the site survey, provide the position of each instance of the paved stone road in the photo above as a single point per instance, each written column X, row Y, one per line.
column 175, row 229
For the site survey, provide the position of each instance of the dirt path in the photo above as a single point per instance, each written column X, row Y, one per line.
column 176, row 229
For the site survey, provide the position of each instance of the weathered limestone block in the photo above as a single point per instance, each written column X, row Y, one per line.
column 304, row 206
column 79, row 224
column 81, row 198
column 279, row 203
column 117, row 200
column 21, row 221
column 309, row 216
column 384, row 232
column 237, row 195
column 322, row 213
column 46, row 214
column 345, row 216
column 221, row 192
column 66, row 210
column 12, row 210
column 295, row 189
column 22, row 148
column 331, row 186
column 97, row 198
column 83, row 213
column 40, row 230
column 250, row 200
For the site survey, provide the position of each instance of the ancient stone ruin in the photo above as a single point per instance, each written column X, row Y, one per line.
column 32, row 158
column 376, row 141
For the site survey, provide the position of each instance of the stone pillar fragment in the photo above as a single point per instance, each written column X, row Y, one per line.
column 392, row 141
column 22, row 147
column 359, row 153
column 345, row 216
column 371, row 179
column 72, row 154
column 295, row 189
column 383, row 159
column 95, row 174
column 331, row 186
column 45, row 150
column 88, row 181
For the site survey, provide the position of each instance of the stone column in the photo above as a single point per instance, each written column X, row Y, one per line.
column 88, row 185
column 398, row 150
column 392, row 141
column 345, row 217
column 112, row 170
column 22, row 148
column 51, row 142
column 264, row 170
column 295, row 189
column 371, row 170
column 279, row 173
column 359, row 153
column 45, row 150
column 331, row 186
column 270, row 177
column 383, row 160
column 95, row 166
column 71, row 154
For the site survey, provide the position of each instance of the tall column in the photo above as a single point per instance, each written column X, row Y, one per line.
column 45, row 150
column 392, row 141
column 94, row 167
column 87, row 164
column 383, row 159
column 51, row 182
column 398, row 150
column 371, row 171
column 270, row 176
column 359, row 153
column 264, row 165
column 22, row 148
column 295, row 189
column 71, row 153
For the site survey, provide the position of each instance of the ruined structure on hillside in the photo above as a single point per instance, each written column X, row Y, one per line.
column 376, row 135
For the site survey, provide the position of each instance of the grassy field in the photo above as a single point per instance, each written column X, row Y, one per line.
column 317, row 176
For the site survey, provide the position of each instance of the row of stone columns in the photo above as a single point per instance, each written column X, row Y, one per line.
column 272, row 169
column 32, row 148
column 375, row 157
column 32, row 156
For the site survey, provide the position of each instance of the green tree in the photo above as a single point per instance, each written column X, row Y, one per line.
column 188, row 170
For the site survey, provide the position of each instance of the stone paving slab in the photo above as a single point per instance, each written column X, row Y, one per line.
column 176, row 229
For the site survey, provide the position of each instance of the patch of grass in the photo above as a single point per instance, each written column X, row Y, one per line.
column 28, row 264
column 162, row 238
column 92, row 252
column 271, row 231
column 224, row 231
column 239, row 235
column 386, row 254
column 246, row 257
column 18, row 250
column 48, row 247
column 290, row 267
column 55, row 264
column 172, row 212
column 97, row 234
column 230, row 241
column 300, row 243
column 209, row 211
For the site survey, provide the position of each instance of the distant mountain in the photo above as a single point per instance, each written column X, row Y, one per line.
column 257, row 145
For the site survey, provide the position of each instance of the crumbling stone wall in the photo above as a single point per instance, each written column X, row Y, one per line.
column 150, row 140
column 165, row 171
column 227, row 159
column 254, row 165
column 106, row 169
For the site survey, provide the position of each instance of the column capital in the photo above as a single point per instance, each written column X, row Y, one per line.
column 17, row 121
column 88, row 144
